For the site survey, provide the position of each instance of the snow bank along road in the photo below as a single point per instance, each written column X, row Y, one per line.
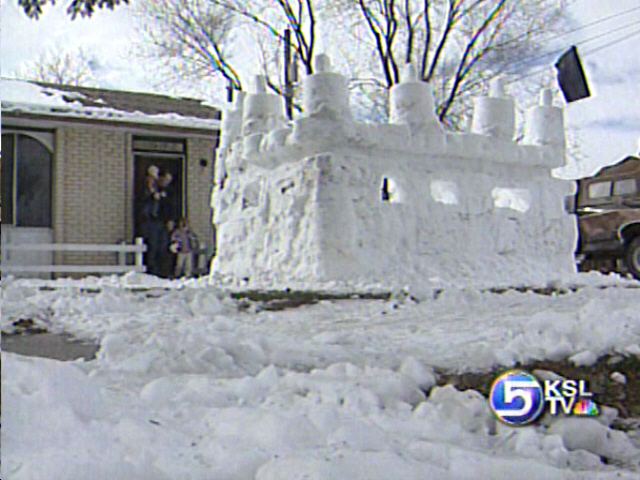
column 187, row 385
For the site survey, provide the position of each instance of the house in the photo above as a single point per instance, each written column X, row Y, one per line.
column 74, row 159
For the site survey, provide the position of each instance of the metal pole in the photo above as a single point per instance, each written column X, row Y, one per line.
column 288, row 88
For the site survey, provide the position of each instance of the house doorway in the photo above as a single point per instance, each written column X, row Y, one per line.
column 26, row 209
column 166, row 163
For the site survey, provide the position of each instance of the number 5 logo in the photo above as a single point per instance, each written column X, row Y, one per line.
column 516, row 398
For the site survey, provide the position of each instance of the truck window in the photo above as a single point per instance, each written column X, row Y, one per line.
column 625, row 187
column 600, row 190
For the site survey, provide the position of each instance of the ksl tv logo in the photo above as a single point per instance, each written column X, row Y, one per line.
column 518, row 398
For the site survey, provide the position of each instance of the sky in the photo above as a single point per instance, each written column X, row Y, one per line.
column 605, row 127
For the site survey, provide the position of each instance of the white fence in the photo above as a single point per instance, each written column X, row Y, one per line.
column 122, row 249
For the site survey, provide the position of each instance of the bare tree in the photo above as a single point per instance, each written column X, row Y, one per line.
column 456, row 44
column 60, row 68
column 191, row 37
column 273, row 17
column 199, row 39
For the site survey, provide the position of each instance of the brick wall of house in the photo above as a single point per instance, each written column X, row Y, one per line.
column 129, row 189
column 199, row 182
column 92, row 202
column 58, row 186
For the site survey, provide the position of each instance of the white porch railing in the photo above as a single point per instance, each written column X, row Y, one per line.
column 122, row 249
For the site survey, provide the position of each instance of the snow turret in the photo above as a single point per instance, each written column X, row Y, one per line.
column 544, row 124
column 231, row 128
column 326, row 93
column 412, row 103
column 230, row 133
column 494, row 115
column 262, row 111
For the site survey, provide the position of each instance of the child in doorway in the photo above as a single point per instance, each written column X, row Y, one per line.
column 184, row 243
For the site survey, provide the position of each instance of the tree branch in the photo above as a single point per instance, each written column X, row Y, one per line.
column 384, row 60
column 443, row 40
column 427, row 40
column 194, row 28
column 33, row 8
column 392, row 28
column 250, row 16
column 312, row 34
column 461, row 65
column 410, row 33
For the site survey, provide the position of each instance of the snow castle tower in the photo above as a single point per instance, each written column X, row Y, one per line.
column 326, row 198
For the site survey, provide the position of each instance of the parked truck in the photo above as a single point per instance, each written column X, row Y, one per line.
column 607, row 207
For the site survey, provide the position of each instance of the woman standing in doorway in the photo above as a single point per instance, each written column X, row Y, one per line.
column 150, row 221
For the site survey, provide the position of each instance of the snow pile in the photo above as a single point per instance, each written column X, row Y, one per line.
column 340, row 422
column 449, row 327
column 92, row 311
column 326, row 198
column 188, row 385
column 592, row 436
column 23, row 96
column 61, row 426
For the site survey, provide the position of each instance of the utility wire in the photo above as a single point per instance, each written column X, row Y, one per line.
column 590, row 52
column 607, row 45
column 582, row 42
column 596, row 22
column 577, row 29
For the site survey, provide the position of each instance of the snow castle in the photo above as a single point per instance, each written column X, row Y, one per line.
column 325, row 198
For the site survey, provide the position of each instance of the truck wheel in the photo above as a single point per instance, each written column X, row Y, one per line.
column 633, row 257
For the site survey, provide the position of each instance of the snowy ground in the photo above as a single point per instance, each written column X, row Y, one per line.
column 190, row 383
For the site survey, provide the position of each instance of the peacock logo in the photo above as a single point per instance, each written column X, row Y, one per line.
column 586, row 407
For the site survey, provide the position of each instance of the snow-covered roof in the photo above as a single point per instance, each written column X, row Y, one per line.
column 107, row 105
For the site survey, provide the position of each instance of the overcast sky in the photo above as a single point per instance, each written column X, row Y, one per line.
column 606, row 126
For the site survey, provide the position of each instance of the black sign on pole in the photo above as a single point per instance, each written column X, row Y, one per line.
column 571, row 77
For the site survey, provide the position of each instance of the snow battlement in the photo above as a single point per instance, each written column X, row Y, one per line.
column 257, row 121
column 324, row 197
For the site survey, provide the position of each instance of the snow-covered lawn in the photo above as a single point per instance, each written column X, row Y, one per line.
column 187, row 385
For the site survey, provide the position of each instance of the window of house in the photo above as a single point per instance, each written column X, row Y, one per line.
column 625, row 187
column 600, row 190
column 26, row 181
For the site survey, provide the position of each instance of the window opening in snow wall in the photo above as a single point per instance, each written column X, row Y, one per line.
column 385, row 189
column 389, row 191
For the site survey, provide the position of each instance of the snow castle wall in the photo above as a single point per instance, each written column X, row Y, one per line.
column 325, row 198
